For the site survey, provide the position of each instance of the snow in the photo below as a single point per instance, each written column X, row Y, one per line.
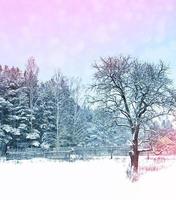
column 7, row 128
column 96, row 180
column 36, row 143
column 16, row 132
column 33, row 136
column 45, row 145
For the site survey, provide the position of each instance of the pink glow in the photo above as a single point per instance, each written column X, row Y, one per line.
column 83, row 29
column 57, row 16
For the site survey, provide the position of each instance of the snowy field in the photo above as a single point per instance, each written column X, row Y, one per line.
column 82, row 180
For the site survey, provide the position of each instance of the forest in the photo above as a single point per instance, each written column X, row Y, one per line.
column 129, row 103
column 50, row 114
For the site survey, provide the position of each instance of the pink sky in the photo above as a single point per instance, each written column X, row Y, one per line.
column 72, row 34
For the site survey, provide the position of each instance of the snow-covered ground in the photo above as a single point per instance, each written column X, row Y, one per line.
column 82, row 180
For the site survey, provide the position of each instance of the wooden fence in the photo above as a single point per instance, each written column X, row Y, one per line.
column 67, row 154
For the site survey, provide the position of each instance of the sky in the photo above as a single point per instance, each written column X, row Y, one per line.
column 71, row 35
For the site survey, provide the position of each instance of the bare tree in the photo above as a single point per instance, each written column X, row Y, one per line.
column 79, row 125
column 31, row 80
column 136, row 92
column 57, row 80
column 59, row 88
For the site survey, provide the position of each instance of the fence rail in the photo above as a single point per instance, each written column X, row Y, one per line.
column 68, row 154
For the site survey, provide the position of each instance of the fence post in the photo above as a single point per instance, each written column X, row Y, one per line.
column 111, row 153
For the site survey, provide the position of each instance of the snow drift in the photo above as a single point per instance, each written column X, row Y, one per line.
column 95, row 180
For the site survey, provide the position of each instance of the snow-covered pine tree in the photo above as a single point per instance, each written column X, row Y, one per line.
column 10, row 80
column 46, row 115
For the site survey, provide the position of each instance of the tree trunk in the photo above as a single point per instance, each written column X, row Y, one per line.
column 3, row 149
column 31, row 108
column 134, row 155
column 57, row 125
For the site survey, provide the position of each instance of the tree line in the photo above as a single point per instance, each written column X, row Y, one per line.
column 50, row 114
column 129, row 98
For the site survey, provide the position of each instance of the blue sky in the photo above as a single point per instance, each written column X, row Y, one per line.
column 70, row 36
